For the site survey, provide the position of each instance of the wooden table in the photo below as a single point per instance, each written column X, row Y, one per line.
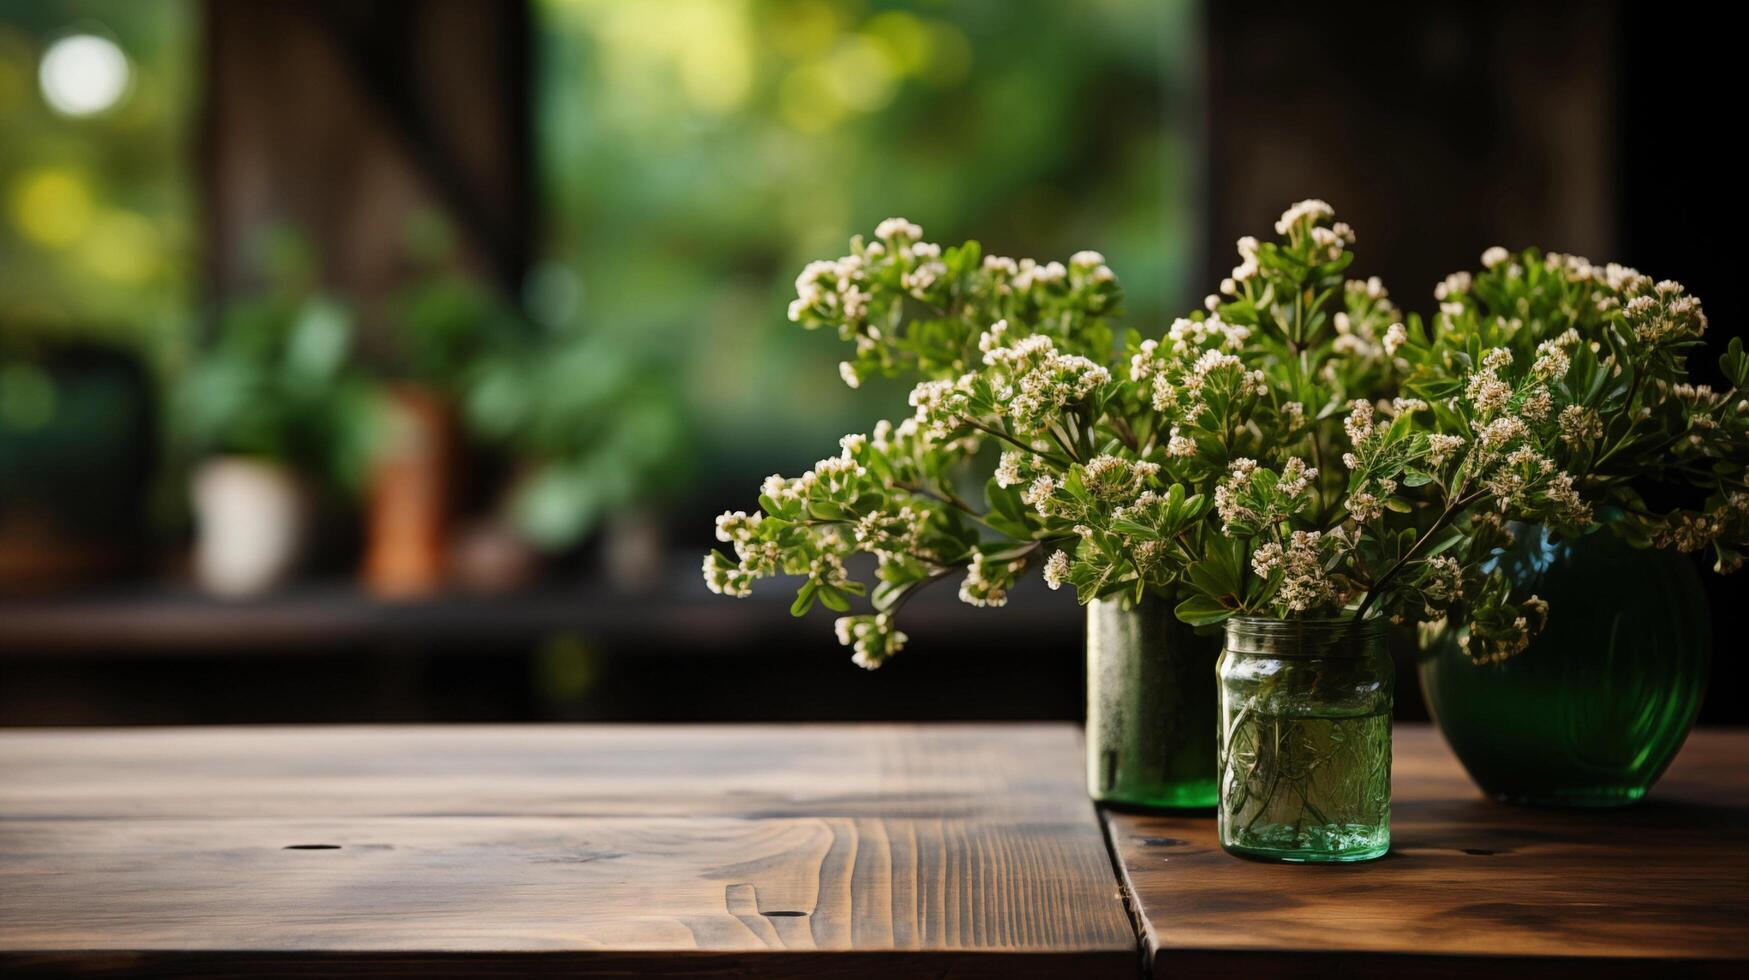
column 757, row 851
column 740, row 851
column 1660, row 889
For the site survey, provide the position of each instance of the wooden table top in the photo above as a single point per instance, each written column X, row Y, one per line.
column 786, row 851
column 703, row 851
column 1658, row 889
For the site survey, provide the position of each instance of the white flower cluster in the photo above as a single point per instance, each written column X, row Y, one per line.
column 758, row 556
column 1396, row 335
column 891, row 535
column 1552, row 358
column 832, row 289
column 1057, row 569
column 1297, row 477
column 725, row 578
column 1304, row 583
column 1242, row 500
column 1527, row 480
column 898, row 232
column 1186, row 336
column 1358, row 425
column 839, row 292
column 1032, row 381
column 1040, row 494
column 1297, row 214
column 1666, row 312
column 1372, row 288
column 1231, row 498
column 1111, row 478
column 986, row 583
column 1247, row 268
column 940, row 405
column 1356, row 339
column 1448, row 291
column 1332, row 241
column 873, row 638
column 1441, row 448
column 1442, row 582
column 1504, row 642
column 1091, row 265
column 1015, row 467
column 1580, row 425
column 928, row 270
column 1692, row 532
column 1486, row 390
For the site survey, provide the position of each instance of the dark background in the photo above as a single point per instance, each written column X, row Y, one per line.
column 1436, row 129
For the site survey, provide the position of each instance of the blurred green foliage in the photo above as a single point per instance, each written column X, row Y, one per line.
column 592, row 420
column 592, row 423
column 692, row 155
column 278, row 381
column 96, row 211
column 596, row 426
column 695, row 153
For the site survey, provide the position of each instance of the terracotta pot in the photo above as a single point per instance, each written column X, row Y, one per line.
column 408, row 516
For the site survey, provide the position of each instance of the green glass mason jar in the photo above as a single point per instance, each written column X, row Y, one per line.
column 1150, row 707
column 1305, row 753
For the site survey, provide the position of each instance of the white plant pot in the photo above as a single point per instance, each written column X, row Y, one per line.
column 251, row 517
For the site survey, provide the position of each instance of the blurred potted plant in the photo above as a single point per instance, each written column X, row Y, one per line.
column 78, row 452
column 276, row 415
column 439, row 326
column 595, row 428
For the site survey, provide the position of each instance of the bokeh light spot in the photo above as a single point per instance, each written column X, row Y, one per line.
column 905, row 38
column 861, row 74
column 123, row 246
column 805, row 30
column 83, row 74
column 51, row 206
column 808, row 100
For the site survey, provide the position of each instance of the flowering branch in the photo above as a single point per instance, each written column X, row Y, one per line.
column 1193, row 466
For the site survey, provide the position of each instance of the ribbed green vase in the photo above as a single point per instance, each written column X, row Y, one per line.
column 1591, row 713
column 1150, row 707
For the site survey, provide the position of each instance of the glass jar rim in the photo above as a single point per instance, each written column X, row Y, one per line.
column 1327, row 637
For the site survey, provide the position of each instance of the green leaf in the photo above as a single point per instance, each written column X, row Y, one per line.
column 1001, row 553
column 804, row 599
column 825, row 510
column 887, row 593
column 833, row 599
column 1213, row 577
column 1735, row 363
column 1124, row 526
column 1202, row 611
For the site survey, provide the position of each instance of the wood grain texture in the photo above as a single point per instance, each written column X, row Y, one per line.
column 1661, row 888
column 730, row 850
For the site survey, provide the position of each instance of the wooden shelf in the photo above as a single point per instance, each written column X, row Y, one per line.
column 152, row 620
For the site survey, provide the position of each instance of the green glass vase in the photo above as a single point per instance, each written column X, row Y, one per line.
column 1305, row 754
column 1591, row 713
column 1150, row 707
